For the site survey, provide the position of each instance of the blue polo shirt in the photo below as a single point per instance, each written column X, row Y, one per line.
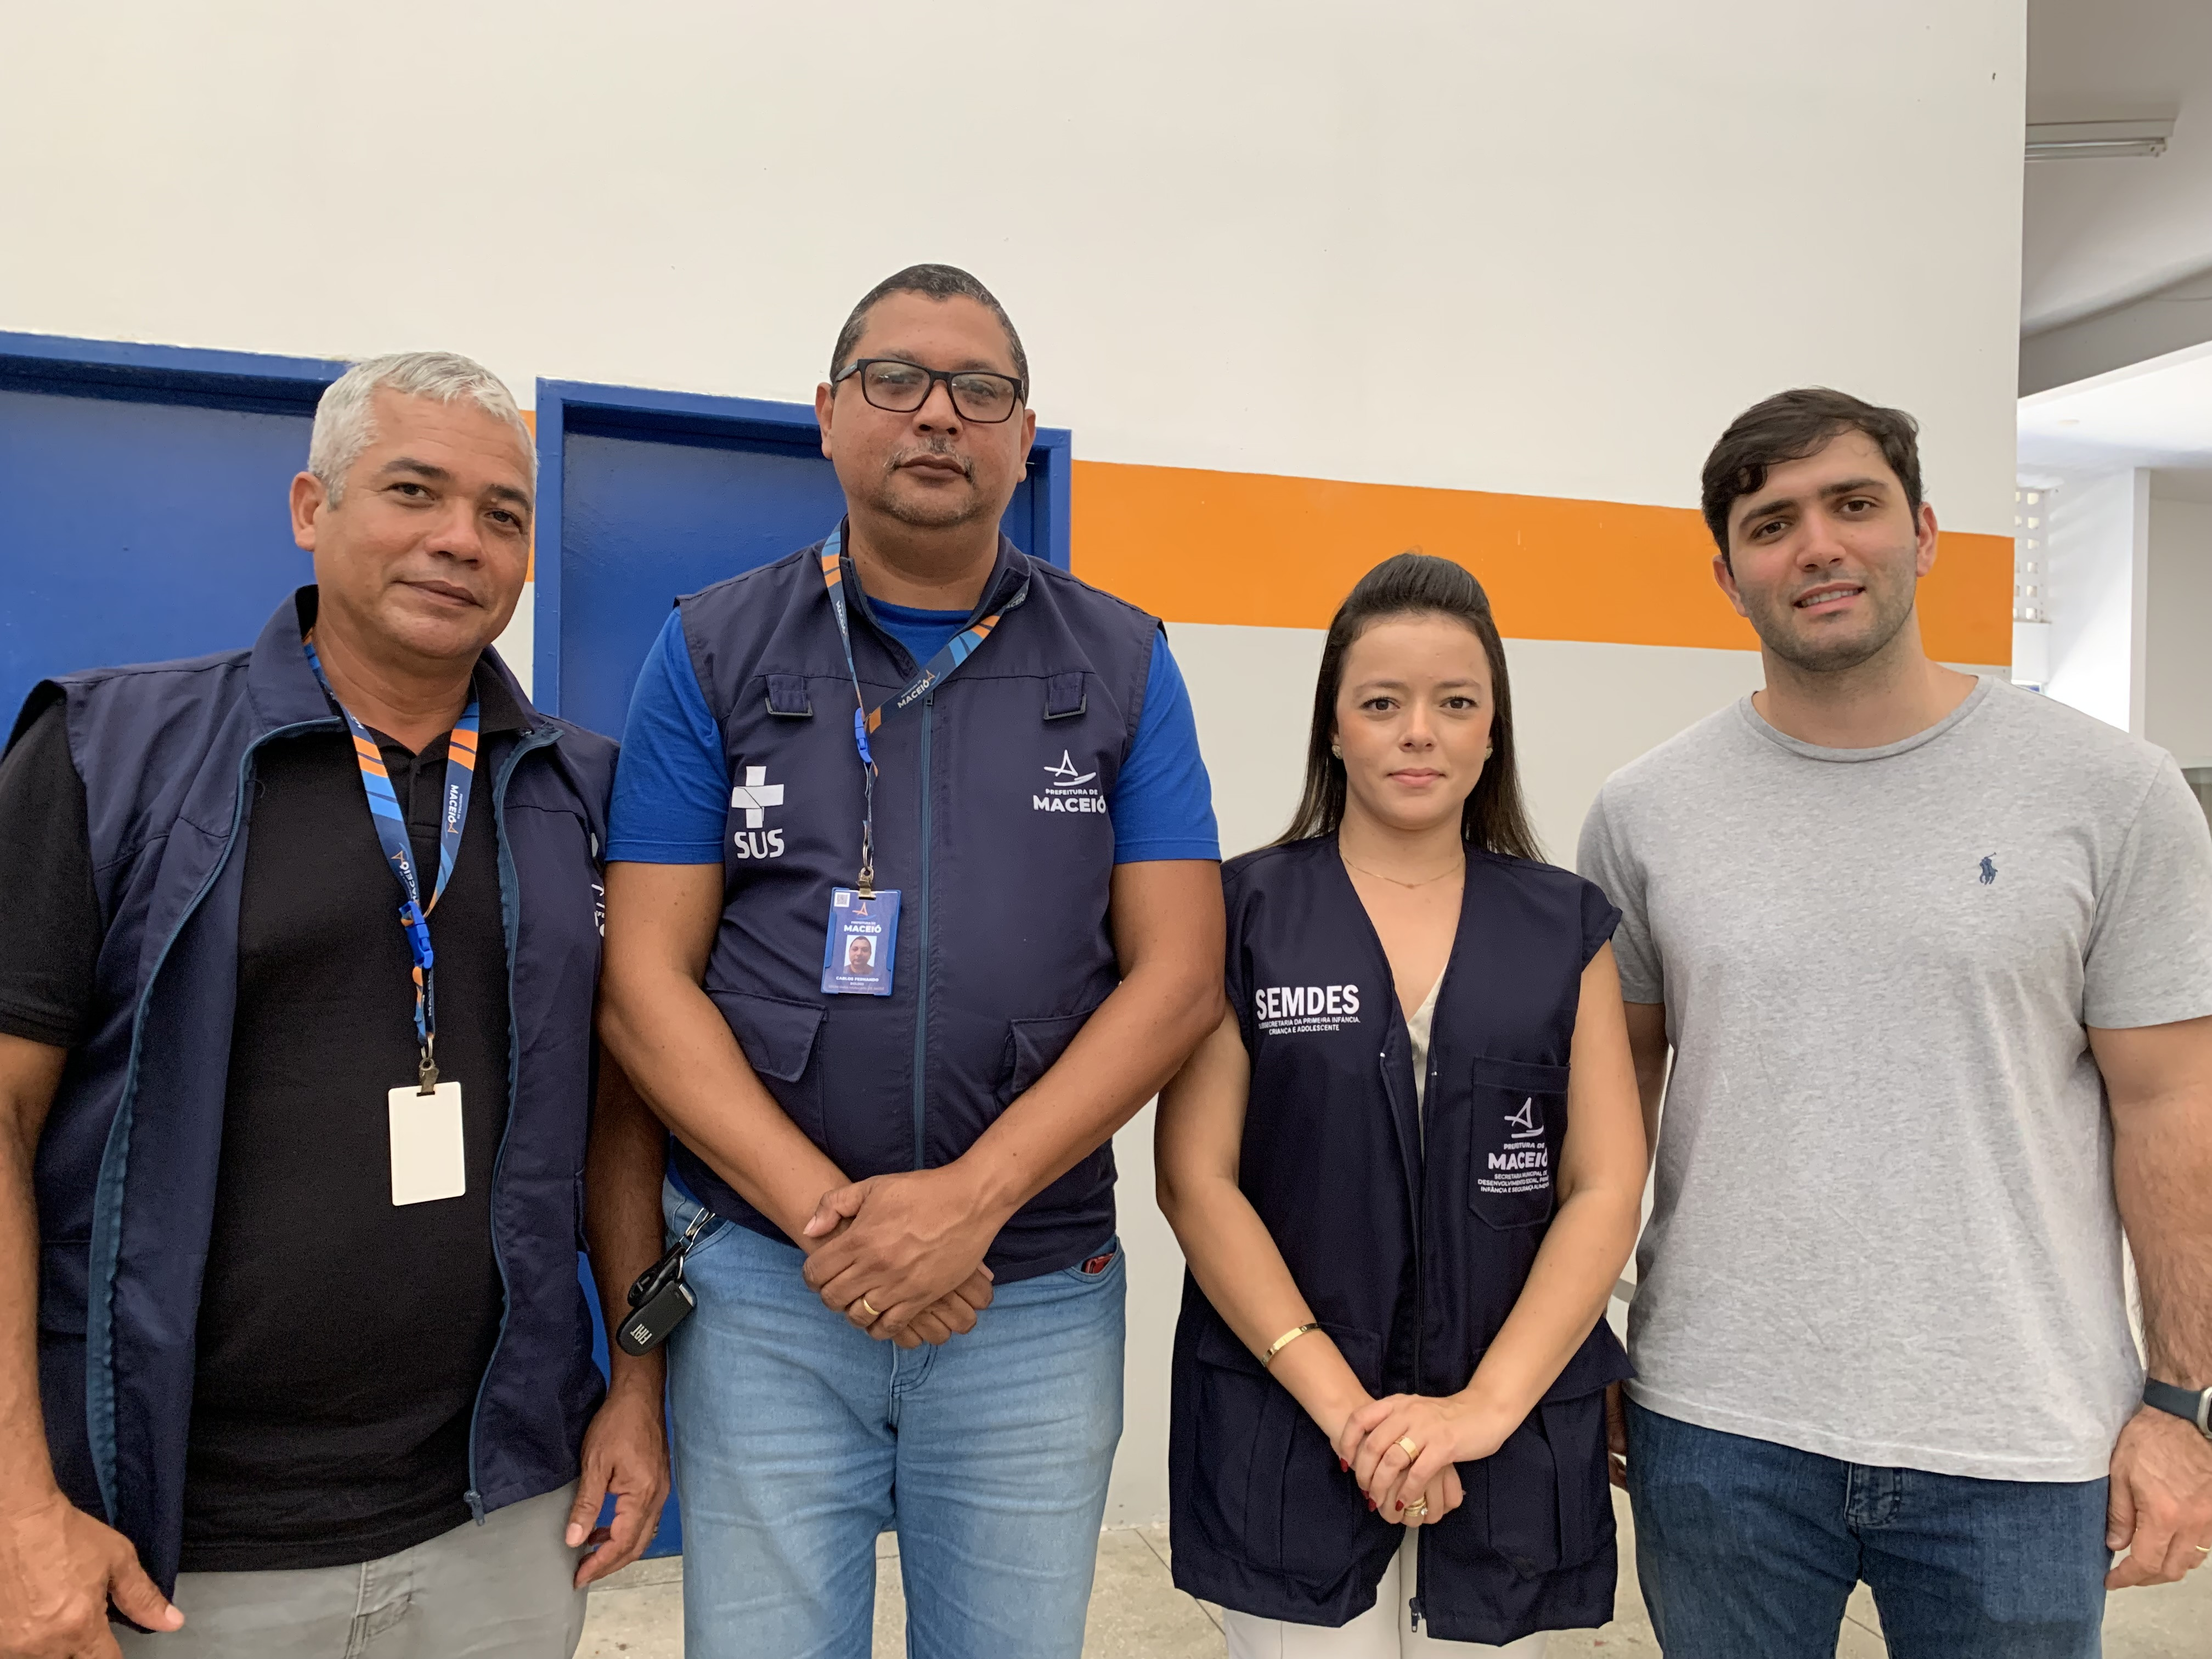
column 672, row 785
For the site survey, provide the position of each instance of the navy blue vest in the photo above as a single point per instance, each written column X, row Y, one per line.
column 1411, row 1252
column 125, row 1175
column 990, row 822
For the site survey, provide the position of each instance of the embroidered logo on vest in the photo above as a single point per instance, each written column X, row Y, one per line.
column 1525, row 1165
column 1071, row 789
column 753, row 797
column 1294, row 1010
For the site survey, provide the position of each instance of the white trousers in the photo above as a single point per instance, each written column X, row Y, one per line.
column 1383, row 1632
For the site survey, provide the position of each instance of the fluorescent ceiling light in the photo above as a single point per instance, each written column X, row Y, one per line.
column 2080, row 141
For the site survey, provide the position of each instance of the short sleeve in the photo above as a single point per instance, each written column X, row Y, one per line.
column 1162, row 802
column 1605, row 859
column 1600, row 918
column 1237, row 974
column 48, row 909
column 2150, row 960
column 673, row 782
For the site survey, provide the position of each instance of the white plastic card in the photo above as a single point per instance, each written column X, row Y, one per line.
column 429, row 1159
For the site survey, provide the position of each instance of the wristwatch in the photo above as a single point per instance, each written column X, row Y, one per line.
column 2195, row 1404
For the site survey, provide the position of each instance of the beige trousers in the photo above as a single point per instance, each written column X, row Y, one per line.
column 500, row 1590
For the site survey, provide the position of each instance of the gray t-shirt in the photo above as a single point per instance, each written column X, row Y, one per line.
column 1884, row 1227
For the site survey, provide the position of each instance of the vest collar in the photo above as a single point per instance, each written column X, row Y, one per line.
column 1008, row 572
column 283, row 691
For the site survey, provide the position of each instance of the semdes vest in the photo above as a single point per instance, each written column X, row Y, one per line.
column 1411, row 1238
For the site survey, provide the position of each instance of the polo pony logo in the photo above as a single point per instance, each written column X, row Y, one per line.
column 1989, row 871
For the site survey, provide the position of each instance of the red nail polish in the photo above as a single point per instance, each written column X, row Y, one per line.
column 1345, row 1467
column 1370, row 1503
column 1401, row 1503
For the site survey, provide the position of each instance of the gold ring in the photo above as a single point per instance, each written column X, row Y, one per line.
column 1419, row 1506
column 1406, row 1445
column 874, row 1312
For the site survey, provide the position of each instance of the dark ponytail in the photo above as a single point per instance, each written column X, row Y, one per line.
column 1416, row 585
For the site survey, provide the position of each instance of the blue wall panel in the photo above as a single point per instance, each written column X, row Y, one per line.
column 144, row 515
column 661, row 494
column 133, row 531
column 644, row 520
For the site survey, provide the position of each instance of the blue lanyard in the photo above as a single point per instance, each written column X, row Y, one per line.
column 400, row 851
column 955, row 651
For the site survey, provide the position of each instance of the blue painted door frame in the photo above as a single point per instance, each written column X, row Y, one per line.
column 144, row 500
column 143, row 514
column 643, row 495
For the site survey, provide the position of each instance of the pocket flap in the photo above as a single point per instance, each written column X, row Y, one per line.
column 1216, row 1345
column 1600, row 1362
column 777, row 1036
column 1519, row 1075
column 1034, row 1046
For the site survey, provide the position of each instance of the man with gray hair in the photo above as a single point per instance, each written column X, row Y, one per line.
column 294, row 1359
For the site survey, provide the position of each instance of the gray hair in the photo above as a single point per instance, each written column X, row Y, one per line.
column 345, row 418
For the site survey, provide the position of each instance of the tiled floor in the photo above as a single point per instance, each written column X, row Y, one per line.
column 1137, row 1613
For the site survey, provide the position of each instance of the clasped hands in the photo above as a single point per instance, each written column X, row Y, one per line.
column 902, row 1255
column 1446, row 1429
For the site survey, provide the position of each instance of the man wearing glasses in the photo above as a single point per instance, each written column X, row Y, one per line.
column 913, row 735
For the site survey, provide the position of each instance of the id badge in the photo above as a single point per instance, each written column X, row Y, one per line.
column 428, row 1160
column 863, row 942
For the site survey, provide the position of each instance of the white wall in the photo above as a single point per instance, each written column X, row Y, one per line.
column 1235, row 234
column 2097, row 543
column 1582, row 711
column 1539, row 249
column 2179, row 670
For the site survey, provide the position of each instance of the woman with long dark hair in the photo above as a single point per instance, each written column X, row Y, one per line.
column 1405, row 1171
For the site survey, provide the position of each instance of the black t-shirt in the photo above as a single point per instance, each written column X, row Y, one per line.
column 341, row 1339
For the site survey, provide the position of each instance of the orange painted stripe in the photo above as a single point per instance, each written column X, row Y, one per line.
column 1282, row 552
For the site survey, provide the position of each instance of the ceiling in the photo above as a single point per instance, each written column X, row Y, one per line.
column 2156, row 414
column 2098, row 234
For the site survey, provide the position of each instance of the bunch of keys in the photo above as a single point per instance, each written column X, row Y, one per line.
column 660, row 1300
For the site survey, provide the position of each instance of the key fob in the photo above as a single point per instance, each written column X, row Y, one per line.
column 648, row 1325
column 656, row 1278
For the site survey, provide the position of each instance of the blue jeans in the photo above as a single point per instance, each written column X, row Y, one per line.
column 799, row 1437
column 1746, row 1550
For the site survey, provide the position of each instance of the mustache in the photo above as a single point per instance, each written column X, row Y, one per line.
column 939, row 448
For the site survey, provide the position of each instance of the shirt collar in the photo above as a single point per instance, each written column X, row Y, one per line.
column 287, row 686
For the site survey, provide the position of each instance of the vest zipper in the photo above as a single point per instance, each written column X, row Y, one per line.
column 1421, row 1301
column 922, row 946
column 115, row 1158
column 510, row 913
column 1420, row 1282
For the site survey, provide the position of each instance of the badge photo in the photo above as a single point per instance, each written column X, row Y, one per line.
column 862, row 945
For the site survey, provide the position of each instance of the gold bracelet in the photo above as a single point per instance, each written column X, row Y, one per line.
column 1268, row 1359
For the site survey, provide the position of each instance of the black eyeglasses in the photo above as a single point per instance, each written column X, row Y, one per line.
column 899, row 387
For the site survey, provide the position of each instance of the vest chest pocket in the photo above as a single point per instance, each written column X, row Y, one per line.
column 1033, row 1048
column 1268, row 1485
column 1518, row 1114
column 778, row 1039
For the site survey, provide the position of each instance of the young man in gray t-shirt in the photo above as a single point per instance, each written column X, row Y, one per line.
column 1934, row 955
